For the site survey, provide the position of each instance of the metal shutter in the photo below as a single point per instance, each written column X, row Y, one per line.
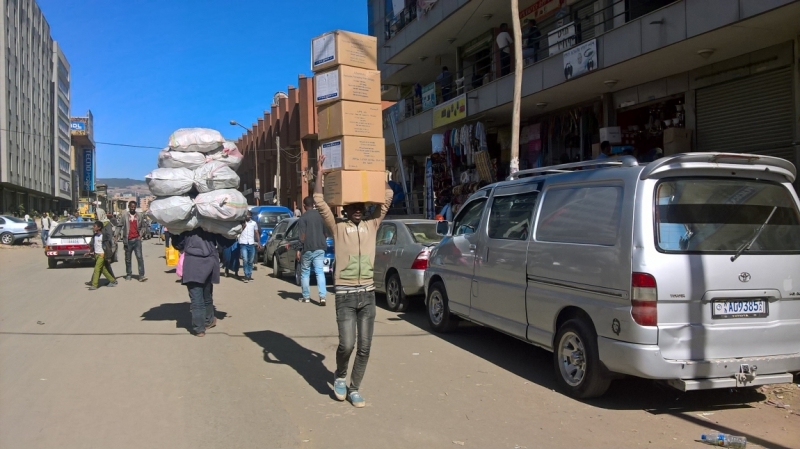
column 748, row 115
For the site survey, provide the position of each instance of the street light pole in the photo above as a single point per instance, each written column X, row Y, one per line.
column 255, row 155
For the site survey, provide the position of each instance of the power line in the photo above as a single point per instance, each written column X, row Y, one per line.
column 96, row 142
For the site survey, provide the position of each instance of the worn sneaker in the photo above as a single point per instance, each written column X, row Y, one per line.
column 306, row 300
column 93, row 288
column 142, row 279
column 340, row 389
column 245, row 280
column 113, row 284
column 88, row 284
column 356, row 399
column 322, row 302
column 128, row 277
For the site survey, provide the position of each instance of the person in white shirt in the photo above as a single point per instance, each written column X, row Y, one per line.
column 45, row 224
column 248, row 242
column 505, row 44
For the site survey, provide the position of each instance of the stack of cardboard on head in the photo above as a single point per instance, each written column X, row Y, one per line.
column 347, row 93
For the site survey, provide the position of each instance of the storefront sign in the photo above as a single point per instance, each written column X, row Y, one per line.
column 77, row 128
column 450, row 111
column 581, row 59
column 561, row 39
column 541, row 9
column 428, row 96
column 88, row 169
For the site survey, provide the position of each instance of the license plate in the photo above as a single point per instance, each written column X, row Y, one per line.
column 74, row 241
column 740, row 308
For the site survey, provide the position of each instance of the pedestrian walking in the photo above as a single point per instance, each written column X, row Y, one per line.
column 296, row 209
column 45, row 224
column 200, row 273
column 354, row 239
column 101, row 249
column 248, row 241
column 311, row 230
column 166, row 236
column 111, row 234
column 132, row 230
column 230, row 259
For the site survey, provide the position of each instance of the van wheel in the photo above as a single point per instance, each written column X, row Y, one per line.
column 577, row 363
column 396, row 299
column 51, row 263
column 439, row 316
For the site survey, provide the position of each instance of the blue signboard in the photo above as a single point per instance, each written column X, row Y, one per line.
column 88, row 169
column 77, row 126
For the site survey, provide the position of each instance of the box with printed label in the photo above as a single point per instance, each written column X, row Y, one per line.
column 349, row 118
column 347, row 187
column 354, row 153
column 612, row 134
column 677, row 140
column 344, row 48
column 347, row 83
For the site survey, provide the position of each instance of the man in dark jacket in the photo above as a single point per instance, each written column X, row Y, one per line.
column 312, row 235
column 200, row 272
column 133, row 227
column 101, row 248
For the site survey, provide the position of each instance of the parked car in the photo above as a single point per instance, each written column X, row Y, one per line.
column 683, row 270
column 13, row 230
column 401, row 257
column 267, row 218
column 282, row 252
column 69, row 242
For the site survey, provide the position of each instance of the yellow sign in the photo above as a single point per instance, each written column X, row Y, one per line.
column 450, row 111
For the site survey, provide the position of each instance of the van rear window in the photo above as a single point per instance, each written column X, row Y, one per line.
column 722, row 215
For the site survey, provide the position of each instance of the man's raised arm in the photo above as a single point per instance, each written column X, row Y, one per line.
column 319, row 199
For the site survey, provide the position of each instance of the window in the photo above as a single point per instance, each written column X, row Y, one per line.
column 584, row 215
column 724, row 215
column 424, row 232
column 468, row 219
column 281, row 228
column 269, row 219
column 387, row 235
column 510, row 216
column 294, row 232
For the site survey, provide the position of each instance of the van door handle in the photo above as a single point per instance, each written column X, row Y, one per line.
column 473, row 247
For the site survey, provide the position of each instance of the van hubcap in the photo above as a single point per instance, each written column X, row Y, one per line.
column 572, row 359
column 436, row 307
column 393, row 293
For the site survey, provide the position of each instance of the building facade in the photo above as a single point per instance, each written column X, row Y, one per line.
column 656, row 77
column 144, row 202
column 60, row 130
column 83, row 164
column 26, row 154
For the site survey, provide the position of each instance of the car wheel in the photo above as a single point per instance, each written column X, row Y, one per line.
column 297, row 274
column 276, row 267
column 396, row 300
column 439, row 316
column 577, row 363
column 51, row 263
column 7, row 238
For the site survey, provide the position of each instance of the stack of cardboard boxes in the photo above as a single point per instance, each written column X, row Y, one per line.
column 347, row 93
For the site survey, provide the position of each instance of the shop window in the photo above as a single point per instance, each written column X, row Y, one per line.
column 583, row 215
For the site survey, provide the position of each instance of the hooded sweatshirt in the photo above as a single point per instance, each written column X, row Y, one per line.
column 354, row 243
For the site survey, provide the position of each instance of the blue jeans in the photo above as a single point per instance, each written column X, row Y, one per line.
column 248, row 254
column 317, row 258
column 134, row 246
column 45, row 234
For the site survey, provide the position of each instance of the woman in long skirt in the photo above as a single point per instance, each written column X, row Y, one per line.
column 230, row 259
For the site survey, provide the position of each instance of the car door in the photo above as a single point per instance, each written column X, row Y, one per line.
column 384, row 247
column 289, row 255
column 498, row 289
column 275, row 238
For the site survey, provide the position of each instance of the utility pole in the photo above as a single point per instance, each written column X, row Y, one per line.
column 278, row 170
column 258, row 181
column 517, row 87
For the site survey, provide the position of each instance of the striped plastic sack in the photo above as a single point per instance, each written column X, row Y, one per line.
column 224, row 205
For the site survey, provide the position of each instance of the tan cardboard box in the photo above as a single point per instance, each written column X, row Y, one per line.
column 344, row 48
column 347, row 83
column 346, row 187
column 677, row 140
column 354, row 153
column 349, row 118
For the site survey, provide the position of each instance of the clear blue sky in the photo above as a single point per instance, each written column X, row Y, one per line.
column 148, row 67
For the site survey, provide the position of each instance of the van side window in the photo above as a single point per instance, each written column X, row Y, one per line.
column 586, row 215
column 468, row 218
column 510, row 217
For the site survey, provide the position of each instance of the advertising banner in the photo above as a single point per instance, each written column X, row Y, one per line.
column 561, row 39
column 581, row 59
column 541, row 9
column 450, row 111
column 88, row 169
column 428, row 96
column 77, row 128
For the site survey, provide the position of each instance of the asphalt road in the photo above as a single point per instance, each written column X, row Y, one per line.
column 117, row 368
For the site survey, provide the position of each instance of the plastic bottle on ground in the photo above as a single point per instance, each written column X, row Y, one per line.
column 724, row 440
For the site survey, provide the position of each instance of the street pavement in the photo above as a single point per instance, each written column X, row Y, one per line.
column 117, row 368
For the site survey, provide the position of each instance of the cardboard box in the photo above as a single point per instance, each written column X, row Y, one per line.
column 349, row 118
column 354, row 153
column 346, row 187
column 677, row 140
column 612, row 134
column 347, row 83
column 344, row 48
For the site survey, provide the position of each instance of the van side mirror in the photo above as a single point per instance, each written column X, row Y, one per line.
column 269, row 233
column 443, row 228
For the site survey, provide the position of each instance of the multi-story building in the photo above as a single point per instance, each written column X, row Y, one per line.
column 83, row 163
column 652, row 77
column 26, row 141
column 144, row 202
column 60, row 129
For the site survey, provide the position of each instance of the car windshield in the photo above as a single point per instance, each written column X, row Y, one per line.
column 14, row 219
column 76, row 229
column 723, row 215
column 424, row 232
column 270, row 219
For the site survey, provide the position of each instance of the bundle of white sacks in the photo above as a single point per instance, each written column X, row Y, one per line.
column 196, row 183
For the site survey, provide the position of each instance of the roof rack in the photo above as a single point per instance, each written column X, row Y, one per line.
column 624, row 161
column 743, row 161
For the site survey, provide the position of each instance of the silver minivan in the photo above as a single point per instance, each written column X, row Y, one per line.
column 685, row 270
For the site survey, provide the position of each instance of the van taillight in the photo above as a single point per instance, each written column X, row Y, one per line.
column 421, row 262
column 643, row 299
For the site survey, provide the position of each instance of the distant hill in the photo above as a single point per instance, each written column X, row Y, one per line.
column 117, row 183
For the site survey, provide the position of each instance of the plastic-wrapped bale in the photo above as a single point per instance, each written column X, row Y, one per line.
column 215, row 175
column 171, row 209
column 170, row 181
column 229, row 155
column 202, row 140
column 229, row 229
column 225, row 205
column 177, row 227
column 180, row 159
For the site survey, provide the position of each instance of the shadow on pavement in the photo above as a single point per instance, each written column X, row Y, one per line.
column 280, row 349
column 297, row 296
column 178, row 312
